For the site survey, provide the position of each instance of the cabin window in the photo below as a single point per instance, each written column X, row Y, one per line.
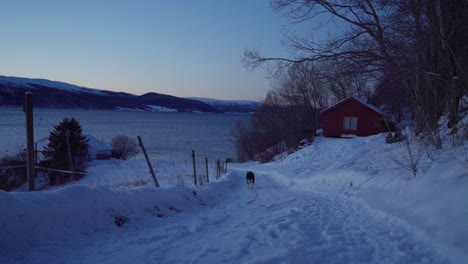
column 346, row 123
column 353, row 123
column 350, row 123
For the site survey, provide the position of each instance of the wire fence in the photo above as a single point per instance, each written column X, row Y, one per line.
column 204, row 170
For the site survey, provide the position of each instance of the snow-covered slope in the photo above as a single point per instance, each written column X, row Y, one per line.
column 335, row 201
column 231, row 106
column 364, row 170
column 211, row 101
column 53, row 94
column 27, row 82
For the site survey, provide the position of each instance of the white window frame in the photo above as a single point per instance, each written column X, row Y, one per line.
column 353, row 123
column 346, row 123
column 350, row 123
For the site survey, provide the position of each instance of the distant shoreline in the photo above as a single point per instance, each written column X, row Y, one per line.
column 128, row 110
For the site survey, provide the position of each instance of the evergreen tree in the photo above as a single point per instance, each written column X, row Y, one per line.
column 67, row 148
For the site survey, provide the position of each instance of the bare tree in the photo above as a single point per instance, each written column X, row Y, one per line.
column 343, row 83
column 303, row 87
column 362, row 45
column 243, row 134
column 409, row 157
column 276, row 127
column 124, row 147
column 417, row 43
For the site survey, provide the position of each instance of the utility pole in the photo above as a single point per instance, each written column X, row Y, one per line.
column 28, row 109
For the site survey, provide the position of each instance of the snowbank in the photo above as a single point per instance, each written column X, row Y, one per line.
column 362, row 169
column 299, row 200
column 79, row 210
column 75, row 212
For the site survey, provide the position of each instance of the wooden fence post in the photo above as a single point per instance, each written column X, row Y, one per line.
column 194, row 167
column 207, row 177
column 148, row 161
column 28, row 109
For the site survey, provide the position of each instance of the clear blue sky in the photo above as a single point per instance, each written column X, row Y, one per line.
column 178, row 47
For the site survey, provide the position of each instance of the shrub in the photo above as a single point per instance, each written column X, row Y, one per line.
column 120, row 220
column 13, row 174
column 394, row 137
column 124, row 147
column 231, row 160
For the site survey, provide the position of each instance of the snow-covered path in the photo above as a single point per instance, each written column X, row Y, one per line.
column 274, row 223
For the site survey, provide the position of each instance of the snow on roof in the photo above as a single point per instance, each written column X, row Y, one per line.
column 96, row 143
column 92, row 142
column 373, row 107
column 362, row 101
column 42, row 143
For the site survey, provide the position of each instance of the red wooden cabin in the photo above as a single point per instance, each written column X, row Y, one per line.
column 351, row 116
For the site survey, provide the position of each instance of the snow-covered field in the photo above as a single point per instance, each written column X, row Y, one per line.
column 335, row 201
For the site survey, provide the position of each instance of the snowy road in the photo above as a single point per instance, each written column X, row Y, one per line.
column 275, row 223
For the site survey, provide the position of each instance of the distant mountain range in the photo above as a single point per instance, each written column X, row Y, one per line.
column 230, row 106
column 54, row 94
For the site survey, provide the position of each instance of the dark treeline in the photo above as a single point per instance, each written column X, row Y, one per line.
column 409, row 57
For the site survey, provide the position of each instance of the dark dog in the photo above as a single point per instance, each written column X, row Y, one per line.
column 250, row 177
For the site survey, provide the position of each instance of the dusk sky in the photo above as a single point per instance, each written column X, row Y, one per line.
column 178, row 47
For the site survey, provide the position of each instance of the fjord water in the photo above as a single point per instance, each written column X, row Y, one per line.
column 167, row 136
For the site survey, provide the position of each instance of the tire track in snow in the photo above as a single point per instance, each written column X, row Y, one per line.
column 287, row 226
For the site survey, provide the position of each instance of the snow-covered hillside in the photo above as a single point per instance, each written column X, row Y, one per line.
column 54, row 94
column 230, row 106
column 335, row 201
column 27, row 82
column 211, row 101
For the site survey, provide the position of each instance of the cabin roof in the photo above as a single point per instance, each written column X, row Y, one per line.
column 97, row 144
column 360, row 100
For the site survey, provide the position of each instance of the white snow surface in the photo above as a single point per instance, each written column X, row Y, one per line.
column 215, row 102
column 157, row 108
column 153, row 108
column 335, row 201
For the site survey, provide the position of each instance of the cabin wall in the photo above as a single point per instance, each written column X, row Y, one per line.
column 367, row 120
